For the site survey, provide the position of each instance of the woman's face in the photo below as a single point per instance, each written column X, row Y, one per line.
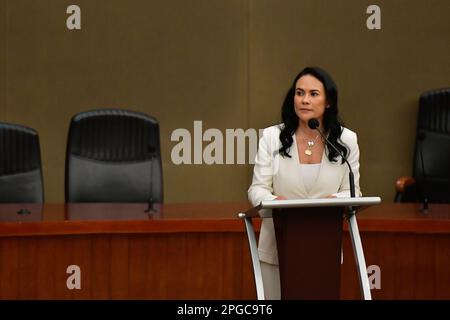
column 309, row 98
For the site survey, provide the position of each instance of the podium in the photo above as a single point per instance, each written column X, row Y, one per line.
column 309, row 236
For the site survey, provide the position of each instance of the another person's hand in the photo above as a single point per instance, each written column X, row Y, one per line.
column 280, row 198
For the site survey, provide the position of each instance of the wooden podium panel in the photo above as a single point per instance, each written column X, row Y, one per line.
column 309, row 244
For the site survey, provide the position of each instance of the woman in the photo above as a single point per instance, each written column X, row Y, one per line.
column 293, row 162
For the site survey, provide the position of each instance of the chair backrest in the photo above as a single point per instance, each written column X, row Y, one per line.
column 432, row 149
column 113, row 156
column 20, row 165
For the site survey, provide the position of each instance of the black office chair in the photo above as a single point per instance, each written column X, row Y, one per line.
column 113, row 156
column 431, row 175
column 20, row 165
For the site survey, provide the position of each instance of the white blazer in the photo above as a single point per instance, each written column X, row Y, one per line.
column 274, row 175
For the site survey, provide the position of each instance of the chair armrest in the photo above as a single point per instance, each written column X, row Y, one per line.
column 404, row 182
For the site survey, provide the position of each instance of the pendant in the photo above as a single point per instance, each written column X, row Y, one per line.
column 308, row 152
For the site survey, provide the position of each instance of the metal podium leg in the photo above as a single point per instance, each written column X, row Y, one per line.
column 359, row 257
column 255, row 256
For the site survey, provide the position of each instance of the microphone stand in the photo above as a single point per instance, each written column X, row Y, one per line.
column 150, row 207
column 424, row 208
column 350, row 174
column 315, row 126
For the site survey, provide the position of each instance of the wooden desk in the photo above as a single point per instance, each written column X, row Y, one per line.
column 189, row 251
column 412, row 250
column 199, row 251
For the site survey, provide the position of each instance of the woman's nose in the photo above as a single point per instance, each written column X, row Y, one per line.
column 305, row 99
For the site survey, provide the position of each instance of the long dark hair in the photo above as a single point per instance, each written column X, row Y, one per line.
column 331, row 123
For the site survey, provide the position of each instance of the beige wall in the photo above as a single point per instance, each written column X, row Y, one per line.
column 227, row 63
column 3, row 49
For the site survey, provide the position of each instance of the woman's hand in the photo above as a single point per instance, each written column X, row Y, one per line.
column 280, row 198
column 330, row 196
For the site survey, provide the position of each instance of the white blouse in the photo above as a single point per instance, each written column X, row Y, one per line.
column 309, row 174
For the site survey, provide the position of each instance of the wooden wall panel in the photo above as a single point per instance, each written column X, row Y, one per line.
column 120, row 267
column 413, row 266
column 9, row 267
column 208, row 258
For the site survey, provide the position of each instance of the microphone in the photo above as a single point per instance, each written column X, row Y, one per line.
column 150, row 208
column 314, row 124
